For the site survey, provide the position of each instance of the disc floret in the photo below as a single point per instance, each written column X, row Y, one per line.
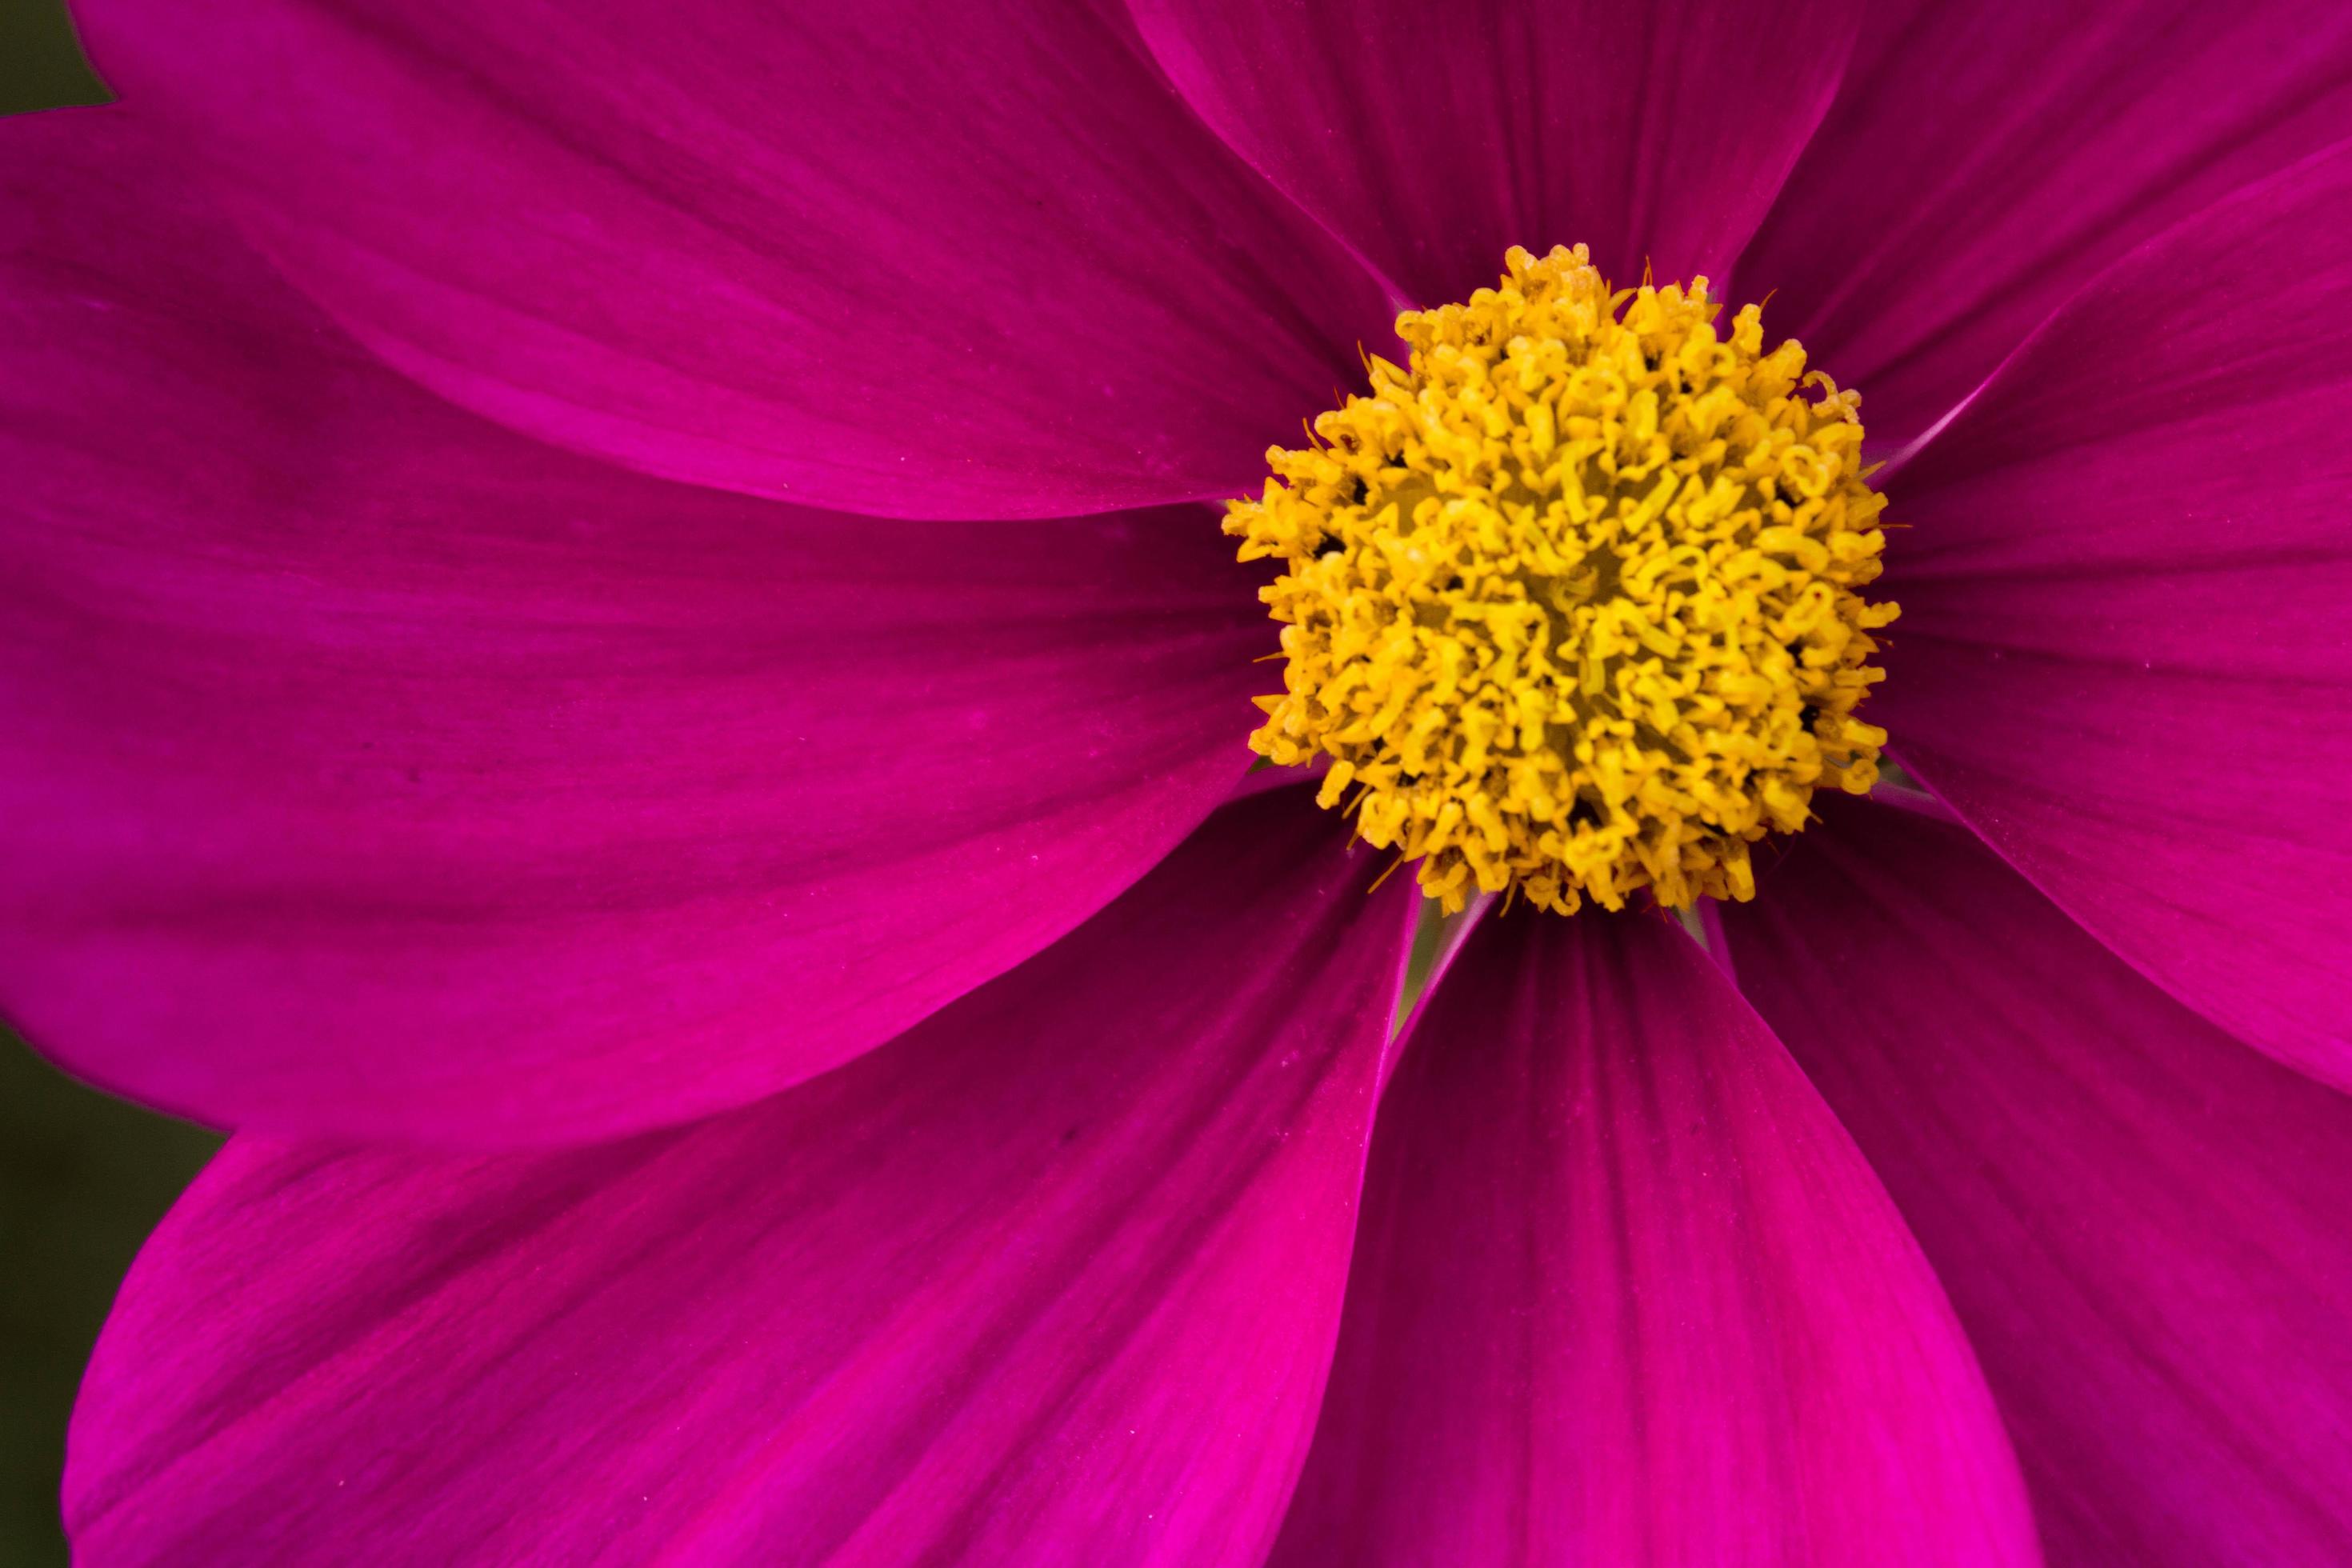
column 1572, row 603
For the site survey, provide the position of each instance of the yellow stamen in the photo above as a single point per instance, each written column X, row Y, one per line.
column 1572, row 603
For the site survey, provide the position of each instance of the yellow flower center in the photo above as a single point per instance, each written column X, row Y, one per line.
column 1572, row 604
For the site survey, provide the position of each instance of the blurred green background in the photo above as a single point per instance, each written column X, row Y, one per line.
column 40, row 64
column 82, row 1178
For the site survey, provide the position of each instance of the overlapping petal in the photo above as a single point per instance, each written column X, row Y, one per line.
column 1624, row 1293
column 1434, row 136
column 1053, row 1278
column 373, row 771
column 2140, row 1222
column 1983, row 162
column 891, row 257
column 2123, row 654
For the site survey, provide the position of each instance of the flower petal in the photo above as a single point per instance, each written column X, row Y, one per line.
column 1983, row 162
column 894, row 257
column 1433, row 136
column 1624, row 1293
column 1055, row 1277
column 2140, row 1222
column 2123, row 655
column 375, row 772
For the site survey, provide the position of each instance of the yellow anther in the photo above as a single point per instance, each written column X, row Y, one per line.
column 1572, row 603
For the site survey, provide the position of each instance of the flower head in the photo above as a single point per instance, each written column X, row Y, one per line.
column 618, row 650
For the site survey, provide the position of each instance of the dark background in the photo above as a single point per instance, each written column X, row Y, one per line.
column 82, row 1177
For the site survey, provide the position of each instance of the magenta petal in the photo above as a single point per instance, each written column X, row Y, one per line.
column 2141, row 1223
column 1431, row 136
column 890, row 257
column 1984, row 161
column 1053, row 1278
column 373, row 771
column 2123, row 654
column 1624, row 1293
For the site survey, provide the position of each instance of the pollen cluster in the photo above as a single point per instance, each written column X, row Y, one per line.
column 1573, row 603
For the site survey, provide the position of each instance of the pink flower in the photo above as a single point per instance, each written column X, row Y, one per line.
column 752, row 1034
